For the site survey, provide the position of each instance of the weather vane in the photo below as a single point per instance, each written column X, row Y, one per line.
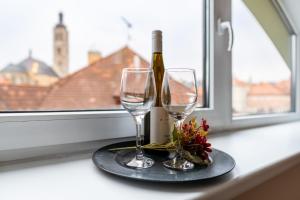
column 129, row 26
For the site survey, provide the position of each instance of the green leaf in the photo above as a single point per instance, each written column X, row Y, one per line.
column 174, row 134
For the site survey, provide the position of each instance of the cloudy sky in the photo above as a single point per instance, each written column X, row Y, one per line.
column 255, row 57
column 97, row 25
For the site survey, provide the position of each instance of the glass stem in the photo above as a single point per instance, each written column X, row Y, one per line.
column 179, row 149
column 139, row 150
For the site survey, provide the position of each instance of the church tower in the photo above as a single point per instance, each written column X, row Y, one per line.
column 61, row 48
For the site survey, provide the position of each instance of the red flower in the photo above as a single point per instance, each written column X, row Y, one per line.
column 200, row 139
column 193, row 139
column 204, row 147
column 204, row 125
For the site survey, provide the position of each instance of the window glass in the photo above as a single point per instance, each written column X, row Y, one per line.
column 261, row 60
column 80, row 49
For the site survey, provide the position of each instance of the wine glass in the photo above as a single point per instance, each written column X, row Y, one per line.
column 138, row 95
column 179, row 98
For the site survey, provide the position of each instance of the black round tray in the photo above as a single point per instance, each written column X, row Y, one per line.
column 110, row 161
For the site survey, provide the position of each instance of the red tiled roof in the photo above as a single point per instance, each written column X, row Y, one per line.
column 284, row 86
column 179, row 89
column 240, row 83
column 94, row 86
column 264, row 88
column 4, row 80
column 268, row 89
column 21, row 98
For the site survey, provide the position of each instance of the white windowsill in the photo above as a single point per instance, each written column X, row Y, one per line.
column 260, row 154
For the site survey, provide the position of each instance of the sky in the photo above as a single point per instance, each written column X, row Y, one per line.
column 255, row 58
column 97, row 25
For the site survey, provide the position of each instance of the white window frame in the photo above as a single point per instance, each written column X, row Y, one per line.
column 19, row 131
column 267, row 119
column 220, row 112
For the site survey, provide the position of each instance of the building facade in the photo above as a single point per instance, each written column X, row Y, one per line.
column 261, row 98
column 61, row 48
column 29, row 71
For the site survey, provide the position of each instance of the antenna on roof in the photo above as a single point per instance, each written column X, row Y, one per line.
column 129, row 26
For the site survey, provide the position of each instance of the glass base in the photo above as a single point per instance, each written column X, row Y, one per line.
column 178, row 163
column 140, row 163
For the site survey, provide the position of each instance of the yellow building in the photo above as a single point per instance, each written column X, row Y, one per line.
column 30, row 71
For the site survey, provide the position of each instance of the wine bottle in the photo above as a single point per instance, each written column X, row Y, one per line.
column 157, row 124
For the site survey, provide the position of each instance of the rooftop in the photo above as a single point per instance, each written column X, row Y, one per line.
column 95, row 86
column 30, row 65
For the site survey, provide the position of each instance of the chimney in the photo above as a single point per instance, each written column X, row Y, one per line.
column 94, row 56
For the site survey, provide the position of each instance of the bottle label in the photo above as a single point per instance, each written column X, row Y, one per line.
column 159, row 126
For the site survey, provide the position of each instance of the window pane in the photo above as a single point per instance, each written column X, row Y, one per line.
column 261, row 60
column 75, row 58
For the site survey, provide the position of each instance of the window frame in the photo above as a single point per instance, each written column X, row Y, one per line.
column 19, row 131
column 272, row 118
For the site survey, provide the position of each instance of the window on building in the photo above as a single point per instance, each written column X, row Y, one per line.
column 58, row 36
column 58, row 51
column 122, row 34
column 262, row 59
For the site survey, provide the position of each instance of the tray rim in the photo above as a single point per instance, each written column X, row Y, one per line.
column 156, row 180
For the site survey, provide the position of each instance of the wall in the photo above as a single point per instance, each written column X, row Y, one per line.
column 285, row 186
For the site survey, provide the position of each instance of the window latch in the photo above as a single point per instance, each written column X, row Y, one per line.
column 222, row 27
